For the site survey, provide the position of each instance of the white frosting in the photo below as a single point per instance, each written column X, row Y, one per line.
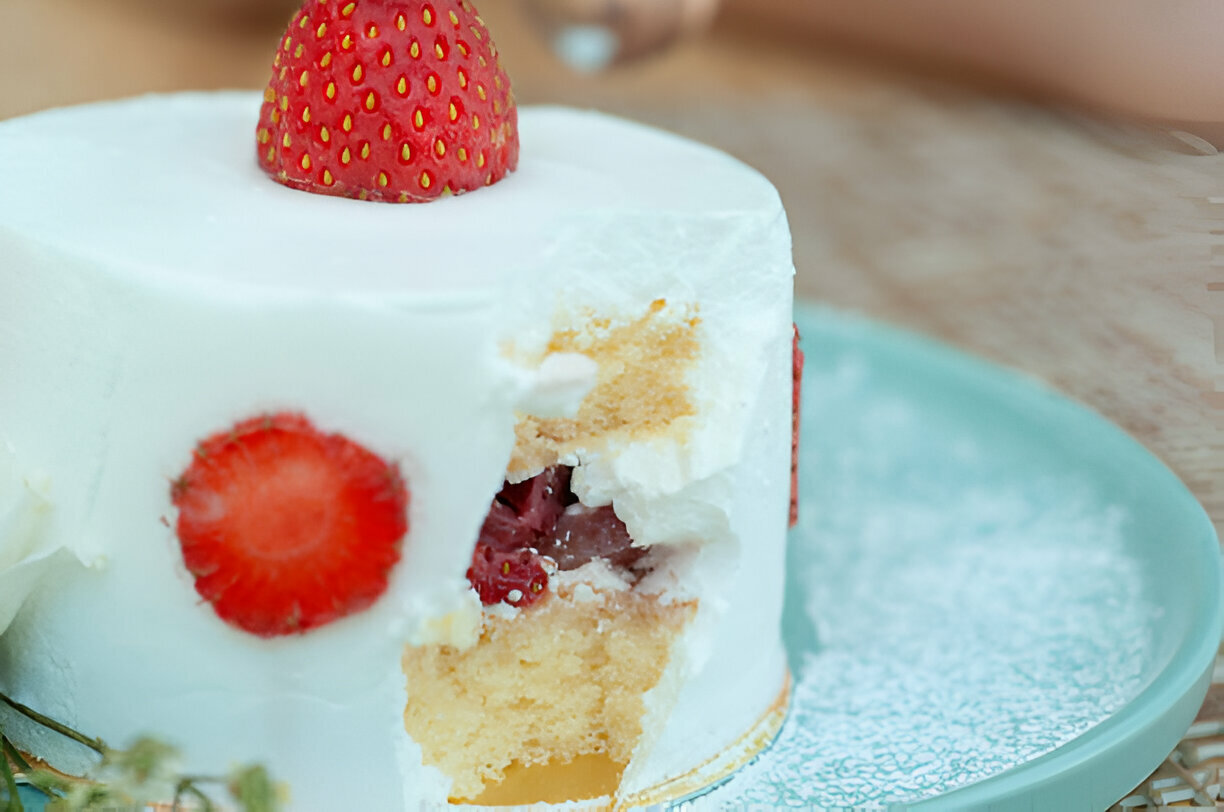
column 588, row 581
column 26, row 552
column 562, row 381
column 158, row 288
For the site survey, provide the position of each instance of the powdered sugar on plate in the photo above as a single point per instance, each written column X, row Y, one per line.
column 961, row 596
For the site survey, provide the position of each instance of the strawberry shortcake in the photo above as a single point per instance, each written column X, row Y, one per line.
column 423, row 448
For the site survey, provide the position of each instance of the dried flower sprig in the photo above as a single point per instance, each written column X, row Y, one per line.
column 147, row 772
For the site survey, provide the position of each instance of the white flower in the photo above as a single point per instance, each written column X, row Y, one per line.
column 26, row 554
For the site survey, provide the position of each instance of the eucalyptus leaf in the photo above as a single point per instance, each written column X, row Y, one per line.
column 14, row 800
column 253, row 789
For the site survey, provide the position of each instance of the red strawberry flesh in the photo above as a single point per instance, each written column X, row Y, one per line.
column 517, row 577
column 504, row 531
column 540, row 500
column 387, row 100
column 285, row 528
column 539, row 519
column 796, row 391
column 583, row 534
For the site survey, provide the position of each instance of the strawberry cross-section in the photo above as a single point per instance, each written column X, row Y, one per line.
column 284, row 528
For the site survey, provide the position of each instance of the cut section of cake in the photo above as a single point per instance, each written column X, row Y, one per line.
column 563, row 662
column 576, row 385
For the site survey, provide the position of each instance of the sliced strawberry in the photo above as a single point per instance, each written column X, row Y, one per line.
column 537, row 519
column 387, row 100
column 285, row 528
column 504, row 531
column 540, row 500
column 583, row 534
column 517, row 577
column 796, row 387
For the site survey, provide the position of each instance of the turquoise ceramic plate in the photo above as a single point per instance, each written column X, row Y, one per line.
column 996, row 599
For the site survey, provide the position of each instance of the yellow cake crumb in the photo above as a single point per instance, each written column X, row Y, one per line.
column 563, row 680
column 641, row 392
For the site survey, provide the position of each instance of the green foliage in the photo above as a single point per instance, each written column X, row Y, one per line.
column 148, row 771
column 252, row 787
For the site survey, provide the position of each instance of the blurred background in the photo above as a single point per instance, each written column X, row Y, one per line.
column 1037, row 183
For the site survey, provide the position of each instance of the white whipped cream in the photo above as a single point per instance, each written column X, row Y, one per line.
column 560, row 383
column 177, row 290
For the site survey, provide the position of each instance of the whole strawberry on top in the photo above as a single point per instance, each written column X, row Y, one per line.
column 388, row 100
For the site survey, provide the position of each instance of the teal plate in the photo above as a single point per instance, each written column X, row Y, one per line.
column 996, row 599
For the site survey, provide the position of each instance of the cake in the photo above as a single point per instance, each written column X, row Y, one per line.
column 542, row 432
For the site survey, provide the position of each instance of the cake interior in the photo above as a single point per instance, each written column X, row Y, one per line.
column 641, row 393
column 549, row 702
column 548, row 705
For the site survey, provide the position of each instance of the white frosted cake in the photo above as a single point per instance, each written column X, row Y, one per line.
column 599, row 347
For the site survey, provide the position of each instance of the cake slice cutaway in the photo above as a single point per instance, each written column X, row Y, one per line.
column 550, row 700
column 557, row 682
column 547, row 704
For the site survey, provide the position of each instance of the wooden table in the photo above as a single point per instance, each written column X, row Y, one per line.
column 1087, row 253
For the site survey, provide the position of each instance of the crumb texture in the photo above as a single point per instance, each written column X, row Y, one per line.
column 641, row 392
column 562, row 681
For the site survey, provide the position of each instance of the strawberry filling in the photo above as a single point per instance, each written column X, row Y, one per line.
column 537, row 525
column 796, row 389
column 538, row 502
column 517, row 577
column 583, row 534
